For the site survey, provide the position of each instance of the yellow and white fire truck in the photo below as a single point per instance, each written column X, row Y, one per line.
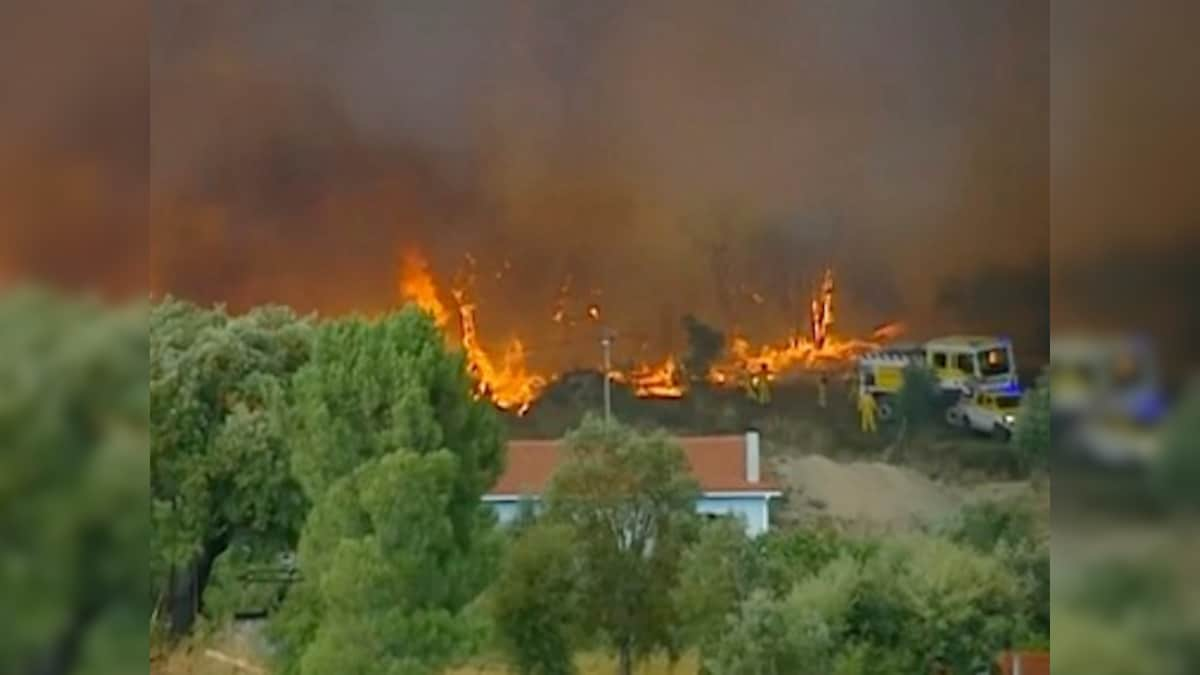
column 962, row 364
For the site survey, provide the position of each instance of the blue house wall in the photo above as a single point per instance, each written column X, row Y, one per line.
column 752, row 510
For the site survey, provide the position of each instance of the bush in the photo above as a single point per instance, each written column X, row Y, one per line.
column 534, row 602
column 899, row 608
column 1176, row 473
column 1031, row 438
column 919, row 399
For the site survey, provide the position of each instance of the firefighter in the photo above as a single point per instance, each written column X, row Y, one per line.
column 866, row 411
column 757, row 388
column 852, row 386
column 822, row 385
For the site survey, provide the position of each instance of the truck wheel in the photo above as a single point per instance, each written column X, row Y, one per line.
column 1001, row 434
column 885, row 411
column 955, row 418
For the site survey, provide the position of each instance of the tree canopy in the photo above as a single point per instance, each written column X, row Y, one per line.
column 628, row 497
column 219, row 466
column 73, row 484
column 394, row 455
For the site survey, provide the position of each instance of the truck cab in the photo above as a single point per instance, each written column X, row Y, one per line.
column 968, row 363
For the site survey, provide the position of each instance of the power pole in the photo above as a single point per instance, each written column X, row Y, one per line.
column 606, row 343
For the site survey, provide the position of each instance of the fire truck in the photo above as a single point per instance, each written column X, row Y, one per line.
column 962, row 365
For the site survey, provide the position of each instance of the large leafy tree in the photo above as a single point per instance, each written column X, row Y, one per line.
column 219, row 468
column 394, row 454
column 534, row 602
column 73, row 485
column 719, row 571
column 629, row 499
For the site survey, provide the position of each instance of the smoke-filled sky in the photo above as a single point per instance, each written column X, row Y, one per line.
column 675, row 156
column 665, row 155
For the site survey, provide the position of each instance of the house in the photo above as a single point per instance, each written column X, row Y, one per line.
column 728, row 469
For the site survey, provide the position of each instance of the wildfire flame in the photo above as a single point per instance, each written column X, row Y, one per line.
column 512, row 385
column 416, row 285
column 664, row 380
column 822, row 311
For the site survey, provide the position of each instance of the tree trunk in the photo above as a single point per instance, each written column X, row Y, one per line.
column 186, row 585
column 625, row 660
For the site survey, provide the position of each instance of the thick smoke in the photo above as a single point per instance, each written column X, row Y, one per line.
column 1125, row 164
column 664, row 158
column 73, row 145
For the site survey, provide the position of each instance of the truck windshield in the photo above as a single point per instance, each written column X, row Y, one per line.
column 994, row 362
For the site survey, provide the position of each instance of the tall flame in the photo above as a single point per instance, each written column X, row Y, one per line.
column 416, row 285
column 509, row 385
column 822, row 310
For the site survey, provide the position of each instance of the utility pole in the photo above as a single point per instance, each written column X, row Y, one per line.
column 606, row 342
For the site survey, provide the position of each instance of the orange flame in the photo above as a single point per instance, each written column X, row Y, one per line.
column 662, row 381
column 818, row 348
column 509, row 385
column 416, row 285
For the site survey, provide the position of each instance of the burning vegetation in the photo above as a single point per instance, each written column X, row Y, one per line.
column 512, row 384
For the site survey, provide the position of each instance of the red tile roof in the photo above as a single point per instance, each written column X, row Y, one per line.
column 1032, row 663
column 717, row 462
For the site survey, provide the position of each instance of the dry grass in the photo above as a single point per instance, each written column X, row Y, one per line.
column 216, row 656
column 194, row 658
column 592, row 664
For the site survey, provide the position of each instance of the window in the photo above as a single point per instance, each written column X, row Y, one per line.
column 939, row 360
column 965, row 363
column 994, row 362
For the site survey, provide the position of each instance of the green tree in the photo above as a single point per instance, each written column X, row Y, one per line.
column 719, row 571
column 926, row 599
column 1010, row 531
column 219, row 467
column 74, row 485
column 382, row 566
column 629, row 498
column 394, row 454
column 1177, row 468
column 909, row 603
column 1031, row 438
column 800, row 634
column 535, row 604
column 790, row 556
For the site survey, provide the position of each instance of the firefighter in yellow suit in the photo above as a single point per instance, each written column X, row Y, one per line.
column 866, row 412
column 757, row 387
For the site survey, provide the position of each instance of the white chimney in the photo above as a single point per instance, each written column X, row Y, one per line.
column 752, row 456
